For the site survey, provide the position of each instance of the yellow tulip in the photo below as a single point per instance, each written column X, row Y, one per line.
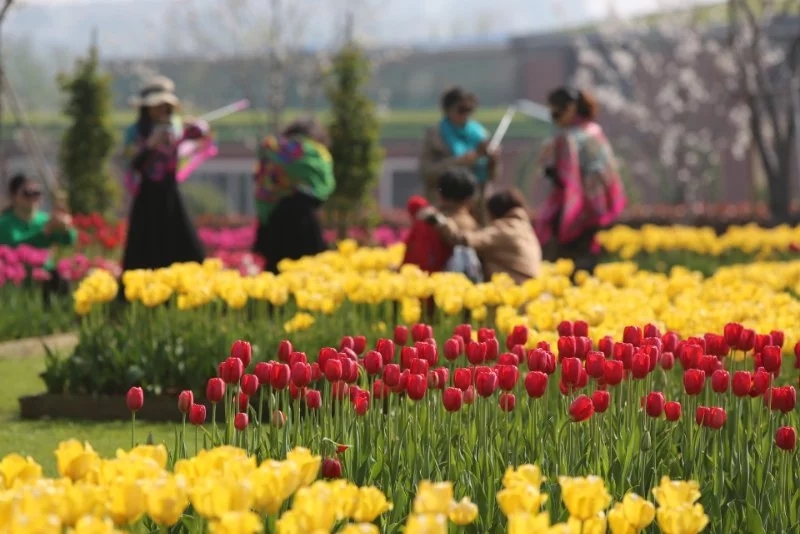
column 593, row 525
column 524, row 475
column 584, row 497
column 370, row 504
column 433, row 498
column 672, row 493
column 16, row 469
column 525, row 522
column 126, row 502
column 359, row 528
column 684, row 518
column 463, row 512
column 426, row 524
column 239, row 522
column 308, row 464
column 94, row 525
column 75, row 460
column 521, row 498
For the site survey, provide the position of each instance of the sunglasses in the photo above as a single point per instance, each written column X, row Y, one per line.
column 31, row 193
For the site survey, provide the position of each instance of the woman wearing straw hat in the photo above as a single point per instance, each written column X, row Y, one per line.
column 160, row 231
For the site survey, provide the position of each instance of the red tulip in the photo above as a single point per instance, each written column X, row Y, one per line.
column 761, row 382
column 263, row 372
column 742, row 383
column 442, row 376
column 783, row 399
column 359, row 344
column 732, row 333
column 243, row 402
column 197, row 414
column 509, row 358
column 606, row 346
column 278, row 419
column 215, row 390
column 421, row 332
column 600, row 400
column 476, row 353
column 667, row 361
column 134, row 399
column 720, row 380
column 624, row 353
column 716, row 417
column 469, row 395
column 373, row 362
column 571, row 370
column 669, row 342
column 580, row 329
column 408, row 355
column 716, row 345
column 541, row 360
column 462, row 378
column 250, row 384
column 778, row 338
column 386, row 349
column 640, row 365
column 331, row 468
column 417, row 386
column 296, row 357
column 379, row 389
column 797, row 355
column 690, row 355
column 595, row 364
column 243, row 351
column 333, row 370
column 419, row 367
column 519, row 336
column 185, row 401
column 672, row 410
column 761, row 341
column 400, row 335
column 313, row 399
column 346, row 343
column 786, row 438
column 632, row 335
column 583, row 345
column 486, row 384
column 508, row 402
column 325, row 355
column 709, row 363
column 391, row 375
column 427, row 352
column 693, row 381
column 361, row 403
column 231, row 370
column 507, row 376
column 566, row 347
column 565, row 329
column 654, row 404
column 349, row 370
column 464, row 331
column 485, row 334
column 241, row 421
column 452, row 349
column 701, row 414
column 771, row 358
column 613, row 372
column 281, row 374
column 581, row 408
column 452, row 398
column 492, row 347
column 284, row 350
column 747, row 341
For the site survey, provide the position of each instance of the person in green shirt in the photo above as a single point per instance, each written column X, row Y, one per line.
column 23, row 223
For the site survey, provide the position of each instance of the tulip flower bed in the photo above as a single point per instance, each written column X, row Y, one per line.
column 588, row 422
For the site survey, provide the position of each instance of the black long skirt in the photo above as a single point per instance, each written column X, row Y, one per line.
column 293, row 231
column 160, row 231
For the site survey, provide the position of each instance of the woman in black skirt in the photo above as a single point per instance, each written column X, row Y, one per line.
column 160, row 231
column 293, row 179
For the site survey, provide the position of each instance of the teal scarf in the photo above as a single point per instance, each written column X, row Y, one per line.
column 463, row 139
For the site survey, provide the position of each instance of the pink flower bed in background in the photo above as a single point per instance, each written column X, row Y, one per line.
column 242, row 238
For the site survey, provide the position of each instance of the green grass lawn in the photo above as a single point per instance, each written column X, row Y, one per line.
column 40, row 438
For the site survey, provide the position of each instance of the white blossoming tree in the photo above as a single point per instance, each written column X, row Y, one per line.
column 695, row 85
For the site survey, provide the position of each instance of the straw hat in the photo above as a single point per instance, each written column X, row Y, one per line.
column 158, row 90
